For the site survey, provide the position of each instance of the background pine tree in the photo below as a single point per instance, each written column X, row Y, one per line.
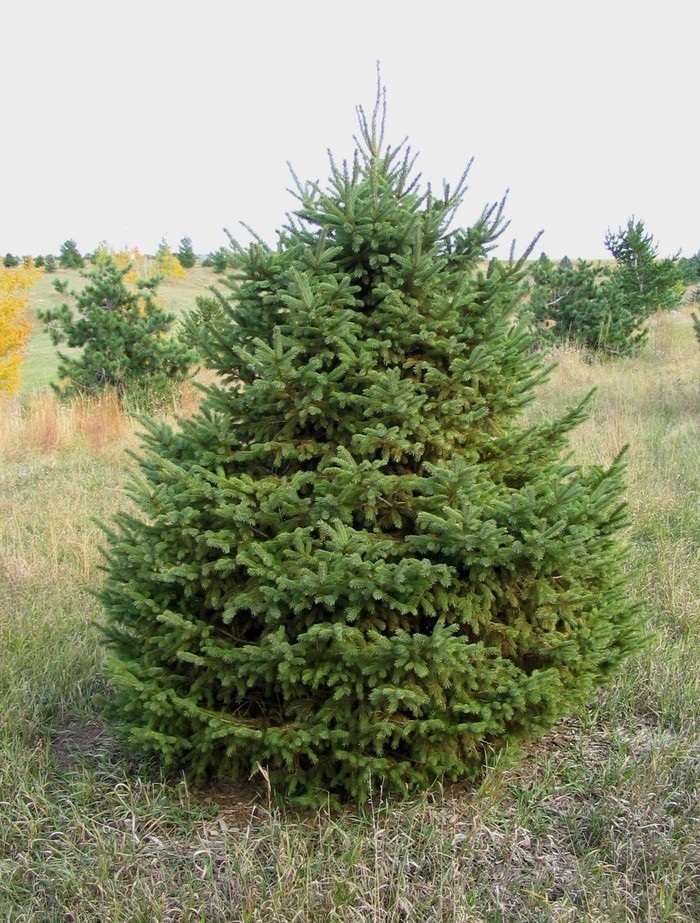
column 123, row 333
column 70, row 257
column 186, row 256
column 208, row 311
column 218, row 260
column 356, row 566
column 644, row 282
column 696, row 326
column 604, row 308
column 572, row 304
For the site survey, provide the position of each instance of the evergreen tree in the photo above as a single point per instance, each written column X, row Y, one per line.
column 689, row 268
column 209, row 311
column 600, row 308
column 219, row 260
column 356, row 566
column 9, row 261
column 185, row 254
column 577, row 304
column 50, row 263
column 641, row 281
column 69, row 257
column 123, row 334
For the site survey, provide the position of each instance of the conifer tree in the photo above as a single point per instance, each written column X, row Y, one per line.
column 356, row 565
column 641, row 280
column 689, row 268
column 123, row 332
column 208, row 312
column 185, row 254
column 696, row 326
column 70, row 257
column 603, row 308
column 219, row 260
column 577, row 304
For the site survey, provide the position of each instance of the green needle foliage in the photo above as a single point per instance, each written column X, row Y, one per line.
column 574, row 304
column 123, row 333
column 207, row 312
column 218, row 260
column 355, row 566
column 185, row 254
column 70, row 257
column 696, row 326
column 600, row 308
column 642, row 281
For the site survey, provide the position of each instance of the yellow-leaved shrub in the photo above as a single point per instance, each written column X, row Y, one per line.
column 143, row 267
column 15, row 326
column 168, row 264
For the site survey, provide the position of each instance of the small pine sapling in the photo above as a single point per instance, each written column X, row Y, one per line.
column 696, row 326
column 208, row 312
column 185, row 254
column 219, row 260
column 642, row 281
column 124, row 334
column 569, row 304
column 69, row 256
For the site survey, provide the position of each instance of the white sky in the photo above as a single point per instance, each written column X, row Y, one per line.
column 133, row 121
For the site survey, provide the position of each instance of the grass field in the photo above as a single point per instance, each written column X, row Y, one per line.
column 598, row 821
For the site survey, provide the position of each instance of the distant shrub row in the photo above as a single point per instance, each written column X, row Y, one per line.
column 71, row 258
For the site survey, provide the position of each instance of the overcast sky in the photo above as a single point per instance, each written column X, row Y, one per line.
column 129, row 122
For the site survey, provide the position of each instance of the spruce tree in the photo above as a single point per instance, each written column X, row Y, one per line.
column 123, row 333
column 642, row 281
column 185, row 254
column 579, row 305
column 219, row 260
column 70, row 257
column 208, row 311
column 356, row 566
column 602, row 308
column 696, row 326
column 689, row 268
